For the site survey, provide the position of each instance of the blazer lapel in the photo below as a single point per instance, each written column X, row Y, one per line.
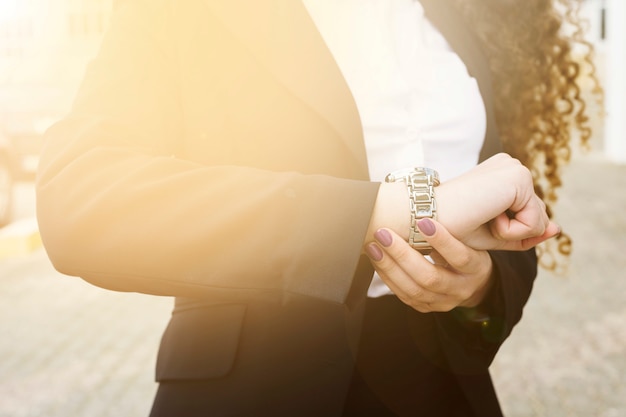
column 282, row 36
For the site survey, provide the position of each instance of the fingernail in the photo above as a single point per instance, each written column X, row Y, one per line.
column 427, row 227
column 374, row 252
column 383, row 237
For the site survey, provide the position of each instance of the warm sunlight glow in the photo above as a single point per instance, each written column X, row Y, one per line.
column 10, row 9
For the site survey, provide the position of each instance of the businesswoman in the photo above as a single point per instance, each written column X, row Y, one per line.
column 233, row 154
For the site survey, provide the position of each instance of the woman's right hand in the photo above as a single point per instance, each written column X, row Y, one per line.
column 494, row 206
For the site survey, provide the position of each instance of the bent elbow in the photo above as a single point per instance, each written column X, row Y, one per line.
column 64, row 242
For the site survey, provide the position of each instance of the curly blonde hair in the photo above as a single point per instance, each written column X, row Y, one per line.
column 537, row 55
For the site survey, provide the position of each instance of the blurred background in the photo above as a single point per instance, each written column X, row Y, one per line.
column 70, row 349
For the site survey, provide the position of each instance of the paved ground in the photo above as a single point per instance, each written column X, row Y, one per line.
column 68, row 349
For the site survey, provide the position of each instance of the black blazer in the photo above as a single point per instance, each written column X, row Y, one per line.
column 214, row 153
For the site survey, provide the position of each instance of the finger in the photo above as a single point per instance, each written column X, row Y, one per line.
column 413, row 295
column 401, row 267
column 431, row 277
column 394, row 258
column 438, row 259
column 530, row 222
column 472, row 269
column 459, row 256
column 552, row 230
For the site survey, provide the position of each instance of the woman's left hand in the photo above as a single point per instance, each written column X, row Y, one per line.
column 460, row 276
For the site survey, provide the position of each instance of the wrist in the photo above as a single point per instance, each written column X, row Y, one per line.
column 420, row 185
column 391, row 210
column 448, row 213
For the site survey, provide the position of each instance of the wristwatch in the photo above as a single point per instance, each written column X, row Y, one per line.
column 420, row 183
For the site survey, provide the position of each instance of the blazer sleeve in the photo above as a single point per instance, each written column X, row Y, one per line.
column 470, row 338
column 120, row 208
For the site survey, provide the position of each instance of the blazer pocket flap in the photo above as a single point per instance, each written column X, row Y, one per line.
column 200, row 343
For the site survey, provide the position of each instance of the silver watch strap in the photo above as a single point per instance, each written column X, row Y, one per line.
column 420, row 183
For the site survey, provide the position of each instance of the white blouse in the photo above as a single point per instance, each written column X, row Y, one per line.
column 418, row 105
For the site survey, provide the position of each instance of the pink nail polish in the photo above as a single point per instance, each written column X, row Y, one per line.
column 427, row 227
column 383, row 237
column 374, row 252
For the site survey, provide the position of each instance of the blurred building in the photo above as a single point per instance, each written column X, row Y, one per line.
column 40, row 39
column 614, row 30
column 44, row 48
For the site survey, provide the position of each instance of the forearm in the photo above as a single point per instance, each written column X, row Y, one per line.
column 138, row 222
column 159, row 181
